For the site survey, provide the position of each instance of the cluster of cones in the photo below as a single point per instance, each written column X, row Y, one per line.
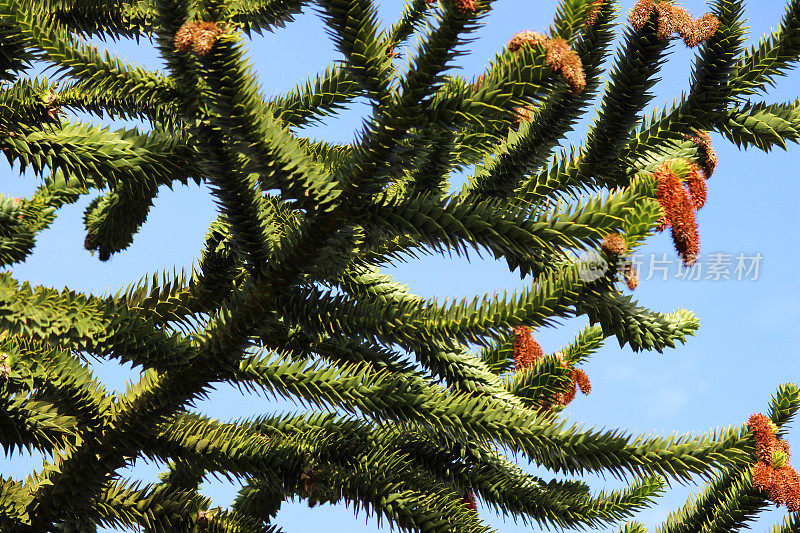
column 559, row 57
column 528, row 352
column 615, row 244
column 674, row 20
column 772, row 474
column 197, row 35
column 680, row 200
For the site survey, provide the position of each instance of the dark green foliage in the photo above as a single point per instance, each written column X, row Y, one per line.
column 288, row 298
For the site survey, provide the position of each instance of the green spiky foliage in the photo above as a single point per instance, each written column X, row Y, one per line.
column 411, row 403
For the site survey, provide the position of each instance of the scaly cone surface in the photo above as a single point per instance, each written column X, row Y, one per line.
column 408, row 402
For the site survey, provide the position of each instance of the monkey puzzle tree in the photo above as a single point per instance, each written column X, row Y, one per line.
column 416, row 400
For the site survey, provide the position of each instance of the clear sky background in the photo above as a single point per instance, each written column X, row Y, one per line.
column 746, row 346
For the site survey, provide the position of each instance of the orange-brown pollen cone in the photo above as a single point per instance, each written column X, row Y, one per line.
column 614, row 244
column 526, row 350
column 673, row 20
column 708, row 156
column 781, row 485
column 696, row 185
column 679, row 213
column 762, row 476
column 631, row 275
column 201, row 36
column 566, row 397
column 526, row 37
column 640, row 14
column 580, row 377
column 559, row 57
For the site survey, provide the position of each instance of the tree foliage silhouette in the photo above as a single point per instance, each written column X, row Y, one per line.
column 411, row 402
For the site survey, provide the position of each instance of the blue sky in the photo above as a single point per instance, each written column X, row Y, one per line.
column 746, row 346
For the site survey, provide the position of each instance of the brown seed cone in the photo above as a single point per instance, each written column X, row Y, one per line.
column 631, row 275
column 614, row 244
column 640, row 14
column 526, row 37
column 672, row 19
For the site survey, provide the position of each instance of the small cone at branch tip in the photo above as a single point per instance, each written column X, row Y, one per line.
column 572, row 71
column 614, row 244
column 466, row 6
column 591, row 20
column 201, row 36
column 697, row 187
column 631, row 275
column 559, row 57
column 526, row 37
